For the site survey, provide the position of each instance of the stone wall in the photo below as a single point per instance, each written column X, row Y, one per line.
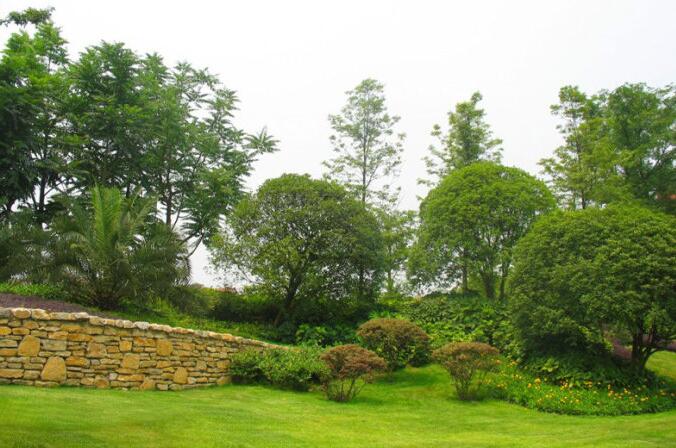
column 47, row 349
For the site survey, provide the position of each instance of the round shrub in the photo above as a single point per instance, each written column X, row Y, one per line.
column 398, row 341
column 350, row 368
column 467, row 363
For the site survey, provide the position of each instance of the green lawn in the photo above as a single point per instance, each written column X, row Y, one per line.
column 416, row 410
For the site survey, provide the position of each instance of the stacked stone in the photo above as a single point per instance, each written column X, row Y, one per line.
column 48, row 349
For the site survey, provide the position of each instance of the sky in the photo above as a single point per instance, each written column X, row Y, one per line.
column 291, row 63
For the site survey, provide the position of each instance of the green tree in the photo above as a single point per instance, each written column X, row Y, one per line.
column 640, row 122
column 114, row 248
column 469, row 139
column 580, row 275
column 470, row 223
column 303, row 240
column 31, row 90
column 582, row 172
column 398, row 231
column 366, row 146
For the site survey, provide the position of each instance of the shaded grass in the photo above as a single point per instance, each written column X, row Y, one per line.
column 417, row 409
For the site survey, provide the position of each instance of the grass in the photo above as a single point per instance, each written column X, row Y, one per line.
column 663, row 364
column 416, row 409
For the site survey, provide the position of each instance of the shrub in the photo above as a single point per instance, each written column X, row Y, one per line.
column 324, row 335
column 460, row 318
column 235, row 307
column 245, row 367
column 467, row 363
column 350, row 368
column 397, row 341
column 295, row 369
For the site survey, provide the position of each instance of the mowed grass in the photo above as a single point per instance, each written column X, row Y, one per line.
column 415, row 409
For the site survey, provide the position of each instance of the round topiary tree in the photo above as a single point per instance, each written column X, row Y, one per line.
column 397, row 341
column 350, row 368
column 467, row 363
column 581, row 273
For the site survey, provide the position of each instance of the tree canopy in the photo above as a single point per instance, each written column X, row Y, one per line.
column 304, row 240
column 471, row 221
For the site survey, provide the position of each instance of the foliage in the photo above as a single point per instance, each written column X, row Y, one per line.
column 460, row 318
column 365, row 144
column 350, row 368
column 248, row 307
column 469, row 139
column 617, row 145
column 325, row 335
column 467, row 363
column 398, row 231
column 586, row 398
column 470, row 223
column 579, row 275
column 113, row 249
column 46, row 291
column 304, row 242
column 295, row 368
column 398, row 341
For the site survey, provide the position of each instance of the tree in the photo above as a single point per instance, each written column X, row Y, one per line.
column 303, row 240
column 580, row 275
column 582, row 172
column 398, row 230
column 469, row 139
column 367, row 148
column 618, row 145
column 138, row 123
column 641, row 131
column 114, row 248
column 470, row 223
column 31, row 90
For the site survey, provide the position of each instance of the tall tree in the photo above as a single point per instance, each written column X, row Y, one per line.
column 31, row 91
column 468, row 139
column 641, row 127
column 582, row 171
column 368, row 151
column 470, row 223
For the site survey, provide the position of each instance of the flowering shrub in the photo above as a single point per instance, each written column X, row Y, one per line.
column 350, row 368
column 467, row 363
column 398, row 341
column 587, row 398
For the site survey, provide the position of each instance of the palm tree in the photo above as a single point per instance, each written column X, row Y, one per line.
column 115, row 248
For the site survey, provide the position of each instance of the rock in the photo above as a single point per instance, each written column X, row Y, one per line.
column 5, row 331
column 30, row 346
column 77, row 361
column 96, row 350
column 8, row 343
column 11, row 373
column 147, row 384
column 181, row 376
column 130, row 361
column 164, row 347
column 40, row 315
column 54, row 345
column 54, row 370
column 21, row 313
column 101, row 383
column 125, row 346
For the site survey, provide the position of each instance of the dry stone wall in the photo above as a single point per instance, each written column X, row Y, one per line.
column 48, row 349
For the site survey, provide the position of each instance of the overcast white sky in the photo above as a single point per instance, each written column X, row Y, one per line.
column 292, row 61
